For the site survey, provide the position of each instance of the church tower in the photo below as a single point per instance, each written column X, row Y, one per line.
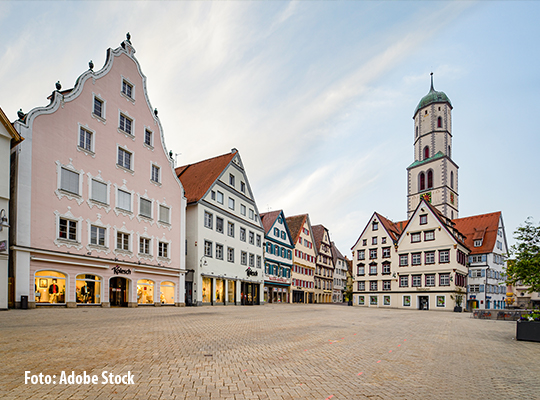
column 433, row 175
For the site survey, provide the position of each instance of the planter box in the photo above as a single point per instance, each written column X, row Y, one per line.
column 528, row 330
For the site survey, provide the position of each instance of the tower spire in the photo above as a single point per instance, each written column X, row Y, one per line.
column 431, row 89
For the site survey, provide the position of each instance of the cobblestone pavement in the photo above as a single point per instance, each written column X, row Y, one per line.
column 266, row 352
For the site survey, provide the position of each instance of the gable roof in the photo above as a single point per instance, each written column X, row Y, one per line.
column 337, row 254
column 394, row 229
column 484, row 226
column 295, row 224
column 318, row 234
column 17, row 138
column 198, row 178
column 268, row 219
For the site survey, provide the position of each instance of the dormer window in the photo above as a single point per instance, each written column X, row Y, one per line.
column 478, row 243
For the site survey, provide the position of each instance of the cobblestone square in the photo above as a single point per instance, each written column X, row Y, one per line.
column 266, row 352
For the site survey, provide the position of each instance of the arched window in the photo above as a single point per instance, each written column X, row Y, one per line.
column 145, row 291
column 449, row 152
column 452, row 179
column 430, row 179
column 50, row 287
column 166, row 295
column 426, row 153
column 422, row 181
column 88, row 289
column 439, row 122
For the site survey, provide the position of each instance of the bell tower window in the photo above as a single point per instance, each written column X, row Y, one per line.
column 452, row 179
column 426, row 153
column 439, row 122
column 422, row 181
column 430, row 179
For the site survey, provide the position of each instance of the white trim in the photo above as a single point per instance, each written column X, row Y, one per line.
column 92, row 151
column 131, row 169
column 67, row 242
column 141, row 217
column 67, row 262
column 132, row 119
column 132, row 98
column 103, row 118
column 90, row 246
column 151, row 145
column 118, row 210
column 62, row 193
column 92, row 202
column 155, row 273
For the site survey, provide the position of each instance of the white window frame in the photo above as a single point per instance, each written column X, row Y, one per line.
column 231, row 203
column 218, row 195
column 91, row 189
column 61, row 192
column 208, row 248
column 131, row 159
column 117, row 207
column 130, row 83
column 103, row 116
column 141, row 198
column 159, row 213
column 218, row 255
column 91, row 150
column 208, row 220
column 151, row 144
column 149, row 253
column 131, row 134
column 105, row 239
column 230, row 254
column 154, row 166
column 167, row 245
column 129, row 235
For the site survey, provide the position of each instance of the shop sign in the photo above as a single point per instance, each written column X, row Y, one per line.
column 119, row 270
column 472, row 296
column 3, row 245
column 250, row 272
column 276, row 279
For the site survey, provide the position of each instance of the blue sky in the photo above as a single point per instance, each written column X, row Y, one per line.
column 317, row 96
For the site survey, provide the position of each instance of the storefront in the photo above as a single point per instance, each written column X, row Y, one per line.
column 249, row 293
column 276, row 294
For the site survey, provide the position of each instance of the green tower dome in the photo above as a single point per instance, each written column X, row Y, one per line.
column 432, row 97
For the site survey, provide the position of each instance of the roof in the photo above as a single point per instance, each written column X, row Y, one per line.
column 432, row 97
column 199, row 177
column 295, row 224
column 337, row 254
column 394, row 229
column 11, row 130
column 484, row 226
column 268, row 219
column 318, row 234
column 435, row 157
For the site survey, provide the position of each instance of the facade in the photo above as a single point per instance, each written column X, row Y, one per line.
column 277, row 257
column 224, row 233
column 9, row 138
column 304, row 259
column 324, row 267
column 340, row 275
column 99, row 210
column 486, row 237
column 433, row 175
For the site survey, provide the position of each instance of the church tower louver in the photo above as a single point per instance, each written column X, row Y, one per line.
column 433, row 175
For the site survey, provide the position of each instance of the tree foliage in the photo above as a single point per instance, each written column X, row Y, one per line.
column 525, row 267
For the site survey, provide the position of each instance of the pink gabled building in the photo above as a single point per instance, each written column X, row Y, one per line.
column 99, row 212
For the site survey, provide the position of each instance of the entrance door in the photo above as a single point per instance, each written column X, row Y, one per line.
column 118, row 293
column 189, row 293
column 423, row 302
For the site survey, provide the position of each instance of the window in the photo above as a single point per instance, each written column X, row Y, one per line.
column 212, row 195
column 415, row 237
column 144, row 246
column 439, row 122
column 88, row 289
column 231, row 179
column 361, row 286
column 451, row 174
column 99, row 191
column 155, row 173
column 276, row 232
column 430, row 280
column 383, row 240
column 372, row 254
column 69, row 181
column 375, row 226
column 230, row 229
column 242, row 187
column 373, row 269
column 145, row 208
column 423, row 219
column 386, row 269
column 122, row 241
column 231, row 203
column 163, row 250
column 243, row 234
column 441, row 300
column 251, row 214
column 252, row 238
column 386, row 252
column 258, row 242
column 426, row 153
column 124, row 200
column 430, row 257
column 230, row 254
column 219, row 197
column 125, row 124
column 444, row 280
column 361, row 270
column 374, row 240
column 124, row 158
column 67, row 229
column 373, row 285
column 387, row 285
column 219, row 251
column 403, row 260
column 127, row 89
column 416, row 259
column 361, row 255
column 85, row 139
column 404, row 281
column 444, row 256
column 98, row 108
column 429, row 235
column 208, row 220
column 164, row 214
column 219, row 225
column 406, row 301
column 478, row 243
column 242, row 209
column 207, row 248
column 373, row 300
column 422, row 181
column 97, row 235
column 259, row 264
column 148, row 137
column 430, row 179
column 416, row 280
column 251, row 260
column 364, row 242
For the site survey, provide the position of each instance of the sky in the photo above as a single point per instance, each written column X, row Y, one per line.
column 318, row 97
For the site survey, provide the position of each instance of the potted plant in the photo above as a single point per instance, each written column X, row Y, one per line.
column 458, row 297
column 528, row 326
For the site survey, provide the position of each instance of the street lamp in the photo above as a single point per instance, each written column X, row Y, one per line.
column 3, row 220
column 203, row 262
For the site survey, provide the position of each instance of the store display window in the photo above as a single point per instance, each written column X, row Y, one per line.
column 166, row 295
column 220, row 291
column 145, row 291
column 50, row 287
column 231, row 291
column 206, row 290
column 88, row 289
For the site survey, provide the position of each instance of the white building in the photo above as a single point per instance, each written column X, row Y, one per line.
column 224, row 233
column 340, row 275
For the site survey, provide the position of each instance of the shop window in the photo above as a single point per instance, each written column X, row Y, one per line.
column 166, row 293
column 220, row 291
column 88, row 289
column 231, row 291
column 206, row 290
column 50, row 287
column 145, row 291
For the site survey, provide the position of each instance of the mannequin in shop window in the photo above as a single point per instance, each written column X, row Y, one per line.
column 85, row 293
column 53, row 291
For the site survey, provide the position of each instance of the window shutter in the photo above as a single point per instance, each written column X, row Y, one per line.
column 124, row 200
column 470, row 274
column 483, row 273
column 470, row 259
column 468, row 291
column 99, row 191
column 146, row 208
column 483, row 258
column 164, row 214
column 69, row 181
column 481, row 288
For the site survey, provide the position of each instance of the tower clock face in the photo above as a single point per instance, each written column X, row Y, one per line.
column 427, row 197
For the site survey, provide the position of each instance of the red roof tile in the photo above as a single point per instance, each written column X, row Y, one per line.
column 197, row 178
column 295, row 224
column 318, row 234
column 268, row 219
column 477, row 227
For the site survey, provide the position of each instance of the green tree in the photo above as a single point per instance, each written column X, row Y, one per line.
column 526, row 253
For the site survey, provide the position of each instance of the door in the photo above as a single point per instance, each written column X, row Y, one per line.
column 118, row 293
column 423, row 303
column 189, row 293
